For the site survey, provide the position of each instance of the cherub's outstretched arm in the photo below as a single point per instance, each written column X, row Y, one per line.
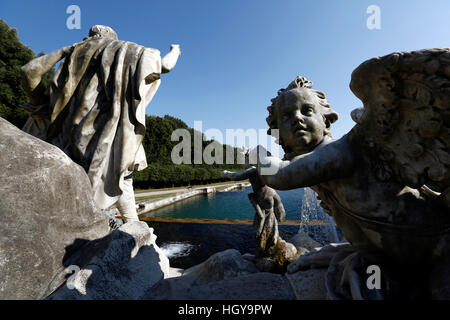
column 331, row 161
column 238, row 176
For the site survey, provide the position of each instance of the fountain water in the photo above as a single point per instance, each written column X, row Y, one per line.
column 176, row 249
column 315, row 222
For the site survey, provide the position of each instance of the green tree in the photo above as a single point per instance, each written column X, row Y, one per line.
column 13, row 55
column 157, row 143
column 161, row 172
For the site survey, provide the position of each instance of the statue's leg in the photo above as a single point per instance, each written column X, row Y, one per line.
column 127, row 203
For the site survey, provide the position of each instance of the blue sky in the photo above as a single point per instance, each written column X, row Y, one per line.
column 237, row 54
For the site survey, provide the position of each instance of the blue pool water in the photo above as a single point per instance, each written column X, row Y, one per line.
column 187, row 244
column 227, row 205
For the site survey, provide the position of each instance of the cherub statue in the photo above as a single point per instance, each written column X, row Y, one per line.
column 95, row 109
column 386, row 182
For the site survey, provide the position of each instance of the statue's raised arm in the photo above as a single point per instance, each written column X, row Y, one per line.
column 170, row 60
column 33, row 71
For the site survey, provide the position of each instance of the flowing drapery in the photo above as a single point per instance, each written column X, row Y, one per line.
column 97, row 107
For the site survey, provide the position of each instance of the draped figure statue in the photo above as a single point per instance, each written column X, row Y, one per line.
column 94, row 109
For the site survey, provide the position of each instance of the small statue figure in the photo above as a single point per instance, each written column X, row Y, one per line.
column 95, row 110
column 273, row 254
column 386, row 182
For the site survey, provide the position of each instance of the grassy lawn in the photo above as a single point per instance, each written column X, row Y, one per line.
column 156, row 196
column 193, row 186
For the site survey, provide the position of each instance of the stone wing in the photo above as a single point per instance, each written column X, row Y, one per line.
column 405, row 122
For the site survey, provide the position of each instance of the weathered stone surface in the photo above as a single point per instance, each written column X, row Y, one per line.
column 175, row 272
column 255, row 286
column 223, row 265
column 45, row 205
column 309, row 284
column 248, row 256
column 129, row 264
column 302, row 240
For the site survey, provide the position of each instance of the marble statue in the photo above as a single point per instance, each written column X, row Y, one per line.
column 95, row 109
column 273, row 254
column 386, row 183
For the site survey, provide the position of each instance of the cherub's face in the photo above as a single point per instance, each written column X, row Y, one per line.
column 300, row 121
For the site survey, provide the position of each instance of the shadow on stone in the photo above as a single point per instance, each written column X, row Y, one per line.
column 122, row 265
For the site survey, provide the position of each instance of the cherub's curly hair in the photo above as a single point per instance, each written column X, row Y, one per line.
column 329, row 114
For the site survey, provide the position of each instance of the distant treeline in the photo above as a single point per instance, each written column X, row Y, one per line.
column 161, row 172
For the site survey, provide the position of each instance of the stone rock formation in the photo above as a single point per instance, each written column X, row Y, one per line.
column 223, row 265
column 225, row 275
column 125, row 265
column 302, row 240
column 45, row 205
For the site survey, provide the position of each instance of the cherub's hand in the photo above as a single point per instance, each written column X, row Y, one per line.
column 239, row 175
column 228, row 174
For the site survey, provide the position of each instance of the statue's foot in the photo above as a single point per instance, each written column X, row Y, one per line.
column 278, row 257
column 318, row 257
